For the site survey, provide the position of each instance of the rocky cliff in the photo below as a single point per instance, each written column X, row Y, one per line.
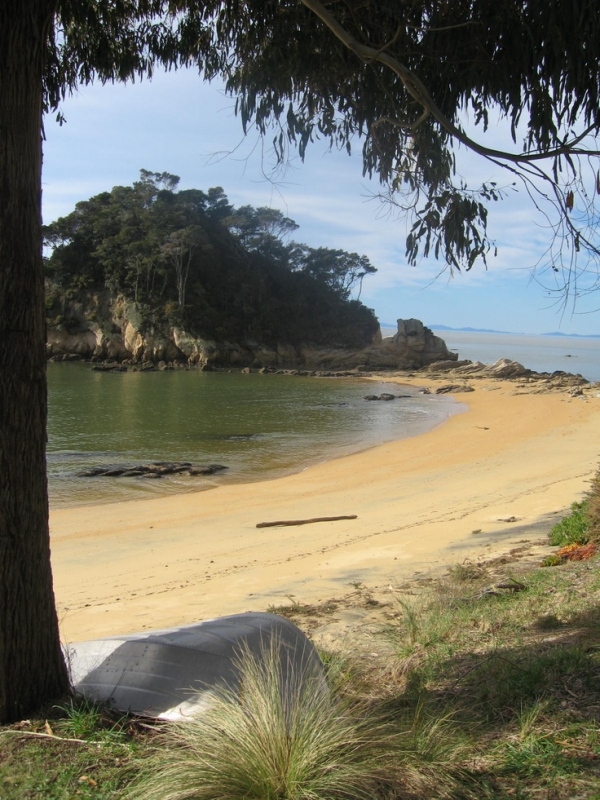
column 104, row 328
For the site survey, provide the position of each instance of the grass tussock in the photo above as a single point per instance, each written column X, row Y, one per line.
column 284, row 736
column 593, row 510
column 573, row 529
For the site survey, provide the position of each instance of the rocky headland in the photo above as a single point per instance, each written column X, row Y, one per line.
column 115, row 336
column 115, row 331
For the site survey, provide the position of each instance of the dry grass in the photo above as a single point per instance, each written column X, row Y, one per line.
column 285, row 735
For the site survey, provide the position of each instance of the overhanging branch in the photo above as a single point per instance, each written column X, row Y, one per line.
column 419, row 92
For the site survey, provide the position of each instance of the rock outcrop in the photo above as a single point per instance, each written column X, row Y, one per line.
column 504, row 369
column 115, row 329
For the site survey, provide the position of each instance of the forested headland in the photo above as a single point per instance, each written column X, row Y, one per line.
column 192, row 261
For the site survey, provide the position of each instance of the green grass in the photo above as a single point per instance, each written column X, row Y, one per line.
column 573, row 529
column 582, row 525
column 520, row 672
column 76, row 750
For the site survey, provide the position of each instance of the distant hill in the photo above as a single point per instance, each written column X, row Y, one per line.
column 513, row 333
column 448, row 328
column 573, row 335
column 468, row 330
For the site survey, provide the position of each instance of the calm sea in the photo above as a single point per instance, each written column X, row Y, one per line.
column 540, row 353
column 259, row 426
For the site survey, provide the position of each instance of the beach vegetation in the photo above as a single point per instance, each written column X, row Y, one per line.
column 572, row 529
column 477, row 693
column 80, row 718
column 582, row 525
column 284, row 736
column 593, row 510
column 73, row 750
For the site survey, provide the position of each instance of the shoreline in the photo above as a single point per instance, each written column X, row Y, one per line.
column 272, row 456
column 507, row 469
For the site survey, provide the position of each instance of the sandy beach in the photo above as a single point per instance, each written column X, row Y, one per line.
column 483, row 482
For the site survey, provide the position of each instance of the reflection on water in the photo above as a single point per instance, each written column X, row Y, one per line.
column 259, row 426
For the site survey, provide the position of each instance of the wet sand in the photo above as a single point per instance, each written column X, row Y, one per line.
column 481, row 483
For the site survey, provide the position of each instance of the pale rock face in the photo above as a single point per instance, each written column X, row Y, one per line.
column 193, row 349
column 505, row 368
column 264, row 356
column 118, row 337
column 133, row 342
column 412, row 347
column 286, row 354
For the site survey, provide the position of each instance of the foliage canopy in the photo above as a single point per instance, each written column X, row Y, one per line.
column 399, row 76
column 190, row 259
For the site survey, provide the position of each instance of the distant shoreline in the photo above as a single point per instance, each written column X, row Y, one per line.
column 447, row 328
column 540, row 353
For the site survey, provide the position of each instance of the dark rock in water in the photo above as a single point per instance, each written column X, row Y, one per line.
column 68, row 357
column 387, row 396
column 91, row 473
column 156, row 469
column 108, row 368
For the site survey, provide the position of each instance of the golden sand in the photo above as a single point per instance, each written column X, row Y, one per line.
column 501, row 473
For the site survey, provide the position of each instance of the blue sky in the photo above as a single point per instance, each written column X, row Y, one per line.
column 179, row 124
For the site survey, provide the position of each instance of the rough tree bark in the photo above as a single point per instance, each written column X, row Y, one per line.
column 32, row 669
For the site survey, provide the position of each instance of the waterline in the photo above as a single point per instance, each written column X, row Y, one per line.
column 259, row 426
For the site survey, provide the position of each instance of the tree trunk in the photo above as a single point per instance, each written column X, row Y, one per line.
column 32, row 669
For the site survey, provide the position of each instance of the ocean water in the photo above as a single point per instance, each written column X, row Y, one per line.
column 259, row 426
column 540, row 353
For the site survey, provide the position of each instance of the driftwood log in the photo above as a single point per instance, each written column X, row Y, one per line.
column 283, row 522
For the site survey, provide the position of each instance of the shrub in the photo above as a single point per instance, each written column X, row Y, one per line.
column 573, row 529
column 593, row 510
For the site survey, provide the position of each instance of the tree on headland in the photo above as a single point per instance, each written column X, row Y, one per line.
column 261, row 229
column 178, row 250
column 335, row 268
column 399, row 73
column 187, row 264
